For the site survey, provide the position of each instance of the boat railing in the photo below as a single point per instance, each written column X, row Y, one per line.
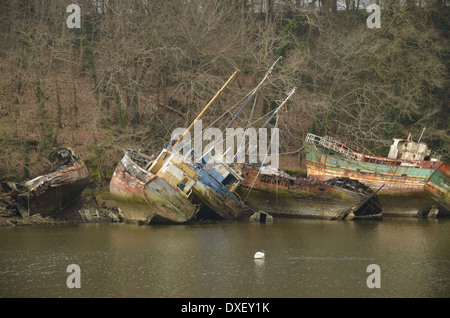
column 336, row 146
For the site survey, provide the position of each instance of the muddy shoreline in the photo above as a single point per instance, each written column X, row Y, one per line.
column 89, row 208
column 96, row 205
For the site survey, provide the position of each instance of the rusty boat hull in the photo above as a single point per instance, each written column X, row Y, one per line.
column 147, row 198
column 408, row 186
column 438, row 186
column 52, row 192
column 285, row 197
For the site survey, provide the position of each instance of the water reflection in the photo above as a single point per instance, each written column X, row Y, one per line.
column 304, row 258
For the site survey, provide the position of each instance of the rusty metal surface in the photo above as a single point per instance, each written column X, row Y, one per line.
column 406, row 179
column 336, row 199
column 438, row 187
column 158, row 201
column 51, row 192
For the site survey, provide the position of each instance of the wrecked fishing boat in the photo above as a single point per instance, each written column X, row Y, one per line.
column 141, row 184
column 169, row 189
column 49, row 193
column 280, row 194
column 209, row 186
column 415, row 180
column 216, row 191
column 231, row 175
column 438, row 186
column 214, row 188
column 157, row 191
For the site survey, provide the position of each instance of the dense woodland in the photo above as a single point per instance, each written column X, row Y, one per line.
column 136, row 70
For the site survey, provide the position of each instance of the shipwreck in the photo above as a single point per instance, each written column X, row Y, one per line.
column 51, row 192
column 169, row 189
column 154, row 190
column 178, row 188
column 415, row 181
column 276, row 192
column 216, row 191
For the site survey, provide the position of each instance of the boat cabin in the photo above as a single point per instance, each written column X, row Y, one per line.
column 224, row 173
column 171, row 168
column 406, row 149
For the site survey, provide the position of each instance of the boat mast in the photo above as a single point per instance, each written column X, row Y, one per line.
column 203, row 111
column 420, row 138
column 279, row 107
column 270, row 118
column 253, row 92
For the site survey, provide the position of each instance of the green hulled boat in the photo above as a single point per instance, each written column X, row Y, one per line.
column 415, row 182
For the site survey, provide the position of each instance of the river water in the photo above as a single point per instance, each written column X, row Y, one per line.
column 304, row 258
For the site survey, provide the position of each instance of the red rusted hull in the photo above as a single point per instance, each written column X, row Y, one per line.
column 303, row 198
column 145, row 197
column 126, row 186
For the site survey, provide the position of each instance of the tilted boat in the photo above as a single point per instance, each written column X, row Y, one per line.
column 230, row 176
column 211, row 185
column 51, row 192
column 276, row 192
column 216, row 191
column 214, row 188
column 142, row 185
column 438, row 186
column 415, row 180
column 160, row 191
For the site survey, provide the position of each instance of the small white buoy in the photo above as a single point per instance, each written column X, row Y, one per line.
column 260, row 254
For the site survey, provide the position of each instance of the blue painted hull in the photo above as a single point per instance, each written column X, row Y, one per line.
column 217, row 197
